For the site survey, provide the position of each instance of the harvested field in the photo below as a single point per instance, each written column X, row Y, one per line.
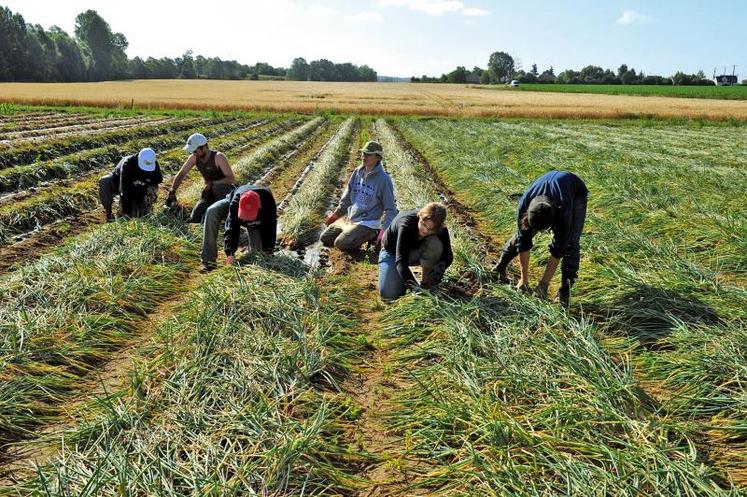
column 126, row 370
column 367, row 98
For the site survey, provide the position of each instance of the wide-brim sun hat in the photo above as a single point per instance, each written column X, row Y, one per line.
column 194, row 142
column 146, row 160
column 373, row 148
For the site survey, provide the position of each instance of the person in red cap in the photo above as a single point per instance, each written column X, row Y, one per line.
column 252, row 207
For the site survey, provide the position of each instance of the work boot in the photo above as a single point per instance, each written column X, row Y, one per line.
column 206, row 267
column 564, row 294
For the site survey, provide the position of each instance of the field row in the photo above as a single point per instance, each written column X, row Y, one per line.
column 244, row 380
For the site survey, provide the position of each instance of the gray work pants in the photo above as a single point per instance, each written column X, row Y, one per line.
column 215, row 216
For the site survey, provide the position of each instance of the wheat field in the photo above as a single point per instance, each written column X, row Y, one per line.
column 374, row 98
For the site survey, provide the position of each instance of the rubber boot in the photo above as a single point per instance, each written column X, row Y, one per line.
column 564, row 294
column 501, row 268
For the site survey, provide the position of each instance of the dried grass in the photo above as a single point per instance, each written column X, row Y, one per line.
column 379, row 98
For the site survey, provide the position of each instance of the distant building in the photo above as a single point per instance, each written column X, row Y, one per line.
column 725, row 80
column 473, row 78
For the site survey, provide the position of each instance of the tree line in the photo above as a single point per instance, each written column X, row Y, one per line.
column 96, row 53
column 503, row 68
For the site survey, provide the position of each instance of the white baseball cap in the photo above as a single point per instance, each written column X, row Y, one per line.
column 194, row 141
column 146, row 160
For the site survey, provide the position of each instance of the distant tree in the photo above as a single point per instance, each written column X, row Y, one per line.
column 69, row 63
column 186, row 66
column 458, row 75
column 534, row 71
column 298, row 71
column 547, row 76
column 106, row 48
column 502, row 65
column 137, row 68
column 486, row 77
column 366, row 73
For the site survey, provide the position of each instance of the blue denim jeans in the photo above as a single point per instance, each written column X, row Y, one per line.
column 428, row 255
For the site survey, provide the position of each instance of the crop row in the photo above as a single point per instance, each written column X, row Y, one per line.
column 660, row 274
column 19, row 155
column 304, row 212
column 70, row 310
column 67, row 129
column 88, row 160
column 56, row 202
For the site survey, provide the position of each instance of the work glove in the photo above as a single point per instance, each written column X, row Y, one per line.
column 541, row 290
column 331, row 219
column 380, row 237
column 523, row 286
column 230, row 260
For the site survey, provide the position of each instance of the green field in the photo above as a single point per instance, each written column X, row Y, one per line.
column 126, row 372
column 738, row 92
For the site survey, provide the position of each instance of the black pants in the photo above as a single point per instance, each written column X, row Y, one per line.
column 108, row 189
column 572, row 253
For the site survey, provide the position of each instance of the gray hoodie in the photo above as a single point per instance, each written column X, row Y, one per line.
column 367, row 197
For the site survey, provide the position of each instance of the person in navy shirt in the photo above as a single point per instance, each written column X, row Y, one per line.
column 556, row 201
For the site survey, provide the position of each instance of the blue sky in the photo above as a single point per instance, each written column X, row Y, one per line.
column 412, row 37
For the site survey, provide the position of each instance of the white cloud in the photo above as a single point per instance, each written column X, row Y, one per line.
column 474, row 12
column 366, row 17
column 631, row 17
column 321, row 11
column 435, row 7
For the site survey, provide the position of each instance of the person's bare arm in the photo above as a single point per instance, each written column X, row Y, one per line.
column 188, row 164
column 222, row 162
column 552, row 266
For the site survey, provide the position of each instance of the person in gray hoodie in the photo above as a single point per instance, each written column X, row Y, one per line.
column 368, row 196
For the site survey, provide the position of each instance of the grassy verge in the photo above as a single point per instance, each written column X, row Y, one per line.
column 711, row 92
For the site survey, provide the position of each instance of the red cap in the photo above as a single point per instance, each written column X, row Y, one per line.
column 249, row 205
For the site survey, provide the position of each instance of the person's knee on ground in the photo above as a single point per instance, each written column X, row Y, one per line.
column 353, row 237
column 430, row 260
column 329, row 235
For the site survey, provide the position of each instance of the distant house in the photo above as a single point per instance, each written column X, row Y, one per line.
column 473, row 79
column 725, row 80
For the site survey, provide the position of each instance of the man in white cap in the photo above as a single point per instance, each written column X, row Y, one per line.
column 135, row 179
column 215, row 170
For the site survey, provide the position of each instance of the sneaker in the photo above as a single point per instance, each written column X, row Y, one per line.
column 206, row 267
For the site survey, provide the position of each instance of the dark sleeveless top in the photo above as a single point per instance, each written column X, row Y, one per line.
column 209, row 171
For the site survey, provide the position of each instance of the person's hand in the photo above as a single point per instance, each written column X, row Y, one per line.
column 541, row 290
column 331, row 219
column 523, row 286
column 171, row 199
column 230, row 260
column 380, row 238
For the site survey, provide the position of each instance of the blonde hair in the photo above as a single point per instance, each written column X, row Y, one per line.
column 435, row 211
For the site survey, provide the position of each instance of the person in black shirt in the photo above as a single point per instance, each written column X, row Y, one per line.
column 135, row 179
column 252, row 207
column 557, row 201
column 414, row 238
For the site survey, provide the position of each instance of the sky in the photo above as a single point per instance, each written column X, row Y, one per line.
column 415, row 37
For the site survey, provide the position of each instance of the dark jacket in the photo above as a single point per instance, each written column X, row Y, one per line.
column 266, row 222
column 133, row 182
column 563, row 188
column 401, row 237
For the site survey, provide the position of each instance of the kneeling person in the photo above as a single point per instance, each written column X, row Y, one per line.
column 135, row 179
column 415, row 238
column 369, row 195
